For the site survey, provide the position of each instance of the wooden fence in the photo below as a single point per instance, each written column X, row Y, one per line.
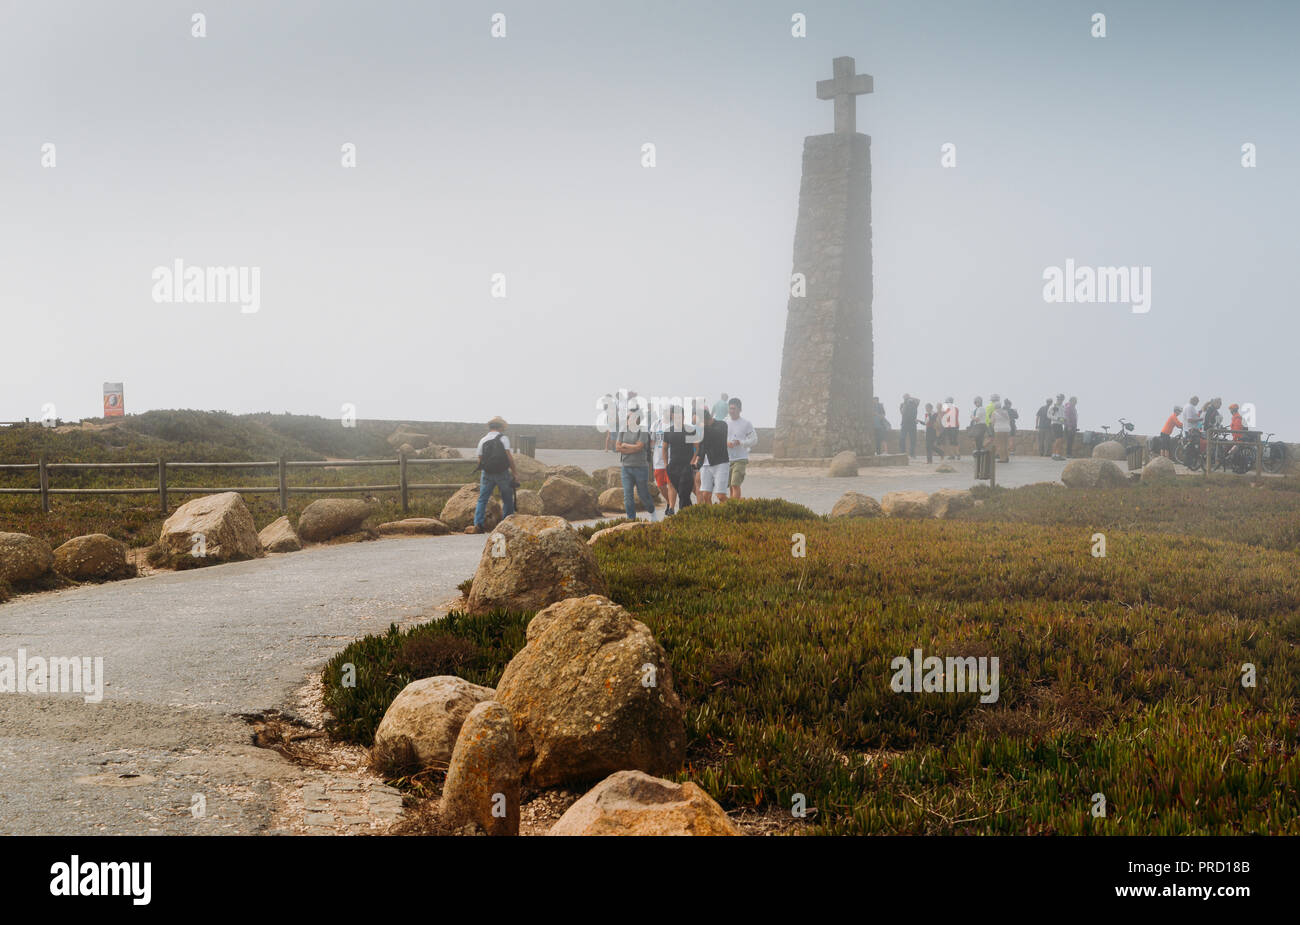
column 283, row 489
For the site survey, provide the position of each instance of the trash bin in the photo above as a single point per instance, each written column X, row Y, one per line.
column 984, row 464
column 1135, row 454
column 526, row 444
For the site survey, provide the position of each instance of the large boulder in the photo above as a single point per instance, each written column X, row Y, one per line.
column 528, row 502
column 611, row 500
column 844, row 464
column 227, row 530
column 24, row 557
column 404, row 435
column 577, row 473
column 563, row 497
column 591, row 693
column 428, row 714
column 608, row 477
column 529, row 562
column 482, row 787
column 607, row 532
column 438, row 451
column 906, row 504
column 634, row 803
column 458, row 512
column 1093, row 473
column 856, row 504
column 1159, row 469
column 947, row 501
column 414, row 526
column 96, row 557
column 1110, row 449
column 529, row 469
column 330, row 517
column 279, row 536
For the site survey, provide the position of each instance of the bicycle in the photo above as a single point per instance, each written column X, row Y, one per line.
column 1274, row 455
column 1190, row 450
column 1237, row 456
column 1124, row 437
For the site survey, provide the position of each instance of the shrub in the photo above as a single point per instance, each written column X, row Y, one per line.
column 473, row 647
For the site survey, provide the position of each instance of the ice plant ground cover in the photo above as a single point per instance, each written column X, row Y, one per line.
column 1149, row 691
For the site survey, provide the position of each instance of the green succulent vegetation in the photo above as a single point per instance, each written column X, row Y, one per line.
column 475, row 647
column 1119, row 675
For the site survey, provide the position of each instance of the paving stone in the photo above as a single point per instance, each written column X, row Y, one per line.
column 319, row 819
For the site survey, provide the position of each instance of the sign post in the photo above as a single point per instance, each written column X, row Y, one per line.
column 113, row 407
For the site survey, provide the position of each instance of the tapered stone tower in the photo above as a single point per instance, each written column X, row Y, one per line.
column 825, row 404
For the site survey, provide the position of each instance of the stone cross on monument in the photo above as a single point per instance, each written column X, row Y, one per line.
column 842, row 88
column 825, row 403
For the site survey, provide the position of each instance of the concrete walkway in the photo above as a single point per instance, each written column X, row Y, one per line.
column 184, row 652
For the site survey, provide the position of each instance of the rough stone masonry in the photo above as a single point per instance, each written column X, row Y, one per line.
column 825, row 404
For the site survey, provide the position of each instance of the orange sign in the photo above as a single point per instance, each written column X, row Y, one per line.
column 113, row 400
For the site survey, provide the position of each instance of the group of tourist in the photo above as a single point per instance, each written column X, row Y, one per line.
column 1197, row 421
column 705, row 460
column 709, row 469
column 992, row 422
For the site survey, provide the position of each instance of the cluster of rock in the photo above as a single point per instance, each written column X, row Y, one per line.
column 94, row 557
column 420, row 445
column 913, row 504
column 1103, row 471
column 590, row 698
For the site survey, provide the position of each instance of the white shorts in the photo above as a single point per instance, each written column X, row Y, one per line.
column 713, row 479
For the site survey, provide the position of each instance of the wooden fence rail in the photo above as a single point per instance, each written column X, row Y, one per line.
column 403, row 486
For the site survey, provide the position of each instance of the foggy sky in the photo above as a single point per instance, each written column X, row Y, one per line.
column 522, row 156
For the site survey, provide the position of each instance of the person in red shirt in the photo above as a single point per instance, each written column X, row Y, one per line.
column 1238, row 425
column 1167, row 432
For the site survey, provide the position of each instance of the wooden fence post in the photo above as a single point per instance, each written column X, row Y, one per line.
column 45, row 486
column 1259, row 460
column 284, row 487
column 401, row 477
column 162, row 485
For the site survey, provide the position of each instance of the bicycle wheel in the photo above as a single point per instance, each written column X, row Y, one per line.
column 1274, row 457
column 1178, row 453
column 1193, row 458
column 1243, row 460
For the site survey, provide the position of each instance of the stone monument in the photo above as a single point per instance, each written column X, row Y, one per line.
column 825, row 404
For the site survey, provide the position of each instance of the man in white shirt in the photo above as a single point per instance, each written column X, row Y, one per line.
column 741, row 438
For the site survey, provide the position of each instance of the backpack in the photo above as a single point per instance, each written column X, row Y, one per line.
column 494, row 458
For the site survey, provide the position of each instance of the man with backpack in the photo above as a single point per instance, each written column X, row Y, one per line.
column 497, row 467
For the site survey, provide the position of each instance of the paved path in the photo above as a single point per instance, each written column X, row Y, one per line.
column 184, row 653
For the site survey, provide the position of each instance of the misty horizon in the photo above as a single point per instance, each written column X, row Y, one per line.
column 489, row 166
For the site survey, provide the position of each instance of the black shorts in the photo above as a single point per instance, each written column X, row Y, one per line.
column 950, row 435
